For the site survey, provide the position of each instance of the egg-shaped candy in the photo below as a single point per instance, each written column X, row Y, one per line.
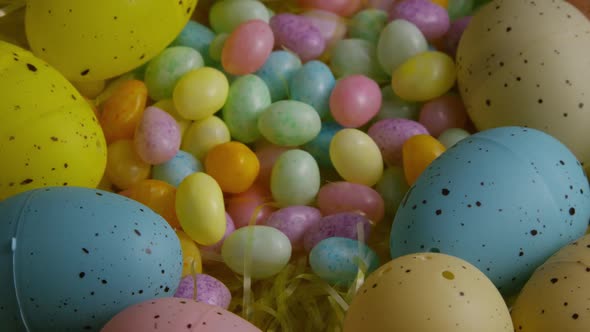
column 176, row 169
column 341, row 196
column 298, row 34
column 344, row 224
column 247, row 48
column 116, row 253
column 295, row 178
column 399, row 41
column 289, row 123
column 226, row 15
column 356, row 157
column 313, row 84
column 87, row 42
column 294, row 221
column 208, row 290
column 157, row 136
column 497, row 201
column 49, row 135
column 507, row 78
column 431, row 18
column 428, row 292
column 277, row 72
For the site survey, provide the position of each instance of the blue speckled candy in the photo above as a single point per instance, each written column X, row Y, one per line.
column 176, row 169
column 312, row 84
column 319, row 147
column 504, row 199
column 277, row 72
column 81, row 256
column 197, row 36
column 344, row 224
column 336, row 260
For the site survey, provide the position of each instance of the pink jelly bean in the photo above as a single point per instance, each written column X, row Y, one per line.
column 267, row 156
column 331, row 26
column 229, row 228
column 432, row 19
column 443, row 113
column 241, row 207
column 391, row 134
column 157, row 136
column 455, row 33
column 247, row 48
column 294, row 221
column 340, row 7
column 342, row 224
column 299, row 35
column 209, row 290
column 340, row 196
column 355, row 100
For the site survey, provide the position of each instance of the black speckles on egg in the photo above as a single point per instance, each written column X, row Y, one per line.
column 26, row 181
column 438, row 212
column 554, row 280
column 572, row 211
column 137, row 232
column 81, row 275
column 84, row 72
column 31, row 67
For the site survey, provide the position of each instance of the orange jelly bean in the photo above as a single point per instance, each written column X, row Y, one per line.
column 124, row 167
column 442, row 3
column 158, row 196
column 417, row 153
column 122, row 111
column 233, row 165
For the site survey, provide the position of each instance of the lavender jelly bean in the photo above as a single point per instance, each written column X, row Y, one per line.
column 390, row 135
column 432, row 19
column 209, row 290
column 294, row 221
column 299, row 35
column 336, row 225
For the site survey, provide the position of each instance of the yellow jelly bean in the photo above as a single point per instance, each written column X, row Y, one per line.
column 202, row 135
column 168, row 106
column 356, row 157
column 424, row 76
column 417, row 153
column 200, row 208
column 124, row 167
column 233, row 165
column 191, row 256
column 200, row 93
column 123, row 110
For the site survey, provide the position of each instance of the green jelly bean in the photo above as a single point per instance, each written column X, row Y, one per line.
column 392, row 187
column 295, row 178
column 226, row 15
column 399, row 41
column 395, row 107
column 459, row 8
column 289, row 123
column 451, row 136
column 357, row 57
column 367, row 24
column 216, row 46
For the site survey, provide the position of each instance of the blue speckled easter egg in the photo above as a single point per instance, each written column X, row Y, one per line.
column 71, row 258
column 176, row 169
column 504, row 200
column 312, row 84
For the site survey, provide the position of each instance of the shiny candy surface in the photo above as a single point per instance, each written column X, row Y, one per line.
column 233, row 165
column 356, row 157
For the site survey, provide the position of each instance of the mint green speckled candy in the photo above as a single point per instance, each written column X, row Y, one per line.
column 367, row 24
column 226, row 15
column 289, row 123
column 399, row 41
column 357, row 57
column 459, row 8
column 164, row 71
column 395, row 107
column 248, row 98
column 295, row 178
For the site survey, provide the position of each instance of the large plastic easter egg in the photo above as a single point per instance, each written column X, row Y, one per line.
column 71, row 258
column 89, row 41
column 512, row 74
column 498, row 201
column 49, row 135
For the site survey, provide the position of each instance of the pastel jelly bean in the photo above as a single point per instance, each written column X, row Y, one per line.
column 455, row 33
column 443, row 3
column 226, row 15
column 269, row 248
column 200, row 208
column 295, row 178
column 298, row 35
column 399, row 41
column 267, row 156
column 157, row 137
column 337, row 260
column 357, row 57
column 355, row 100
column 451, row 136
column 392, row 187
column 196, row 36
column 289, row 123
column 340, row 7
column 247, row 48
column 164, row 71
column 313, row 84
column 432, row 19
column 356, row 157
column 200, row 93
column 248, row 98
column 233, row 165
column 176, row 169
column 341, row 196
column 319, row 147
column 390, row 135
column 122, row 111
column 250, row 206
column 124, row 166
column 418, row 152
column 229, row 228
column 331, row 26
column 202, row 135
column 344, row 224
column 368, row 24
column 294, row 221
column 216, row 46
column 167, row 105
column 395, row 107
column 443, row 113
column 209, row 290
column 459, row 8
column 158, row 196
column 191, row 256
column 277, row 72
column 425, row 76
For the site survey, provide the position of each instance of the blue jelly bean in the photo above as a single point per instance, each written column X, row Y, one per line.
column 197, row 36
column 319, row 147
column 277, row 71
column 312, row 84
column 177, row 168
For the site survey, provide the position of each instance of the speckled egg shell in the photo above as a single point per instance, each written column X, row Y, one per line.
column 556, row 297
column 525, row 63
column 209, row 290
column 427, row 292
column 79, row 256
column 504, row 200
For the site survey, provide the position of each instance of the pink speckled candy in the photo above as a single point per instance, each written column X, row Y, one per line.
column 337, row 225
column 177, row 315
column 294, row 221
column 241, row 207
column 229, row 228
column 299, row 35
column 390, row 135
column 355, row 100
column 432, row 19
column 443, row 113
column 157, row 137
column 455, row 33
column 340, row 196
column 209, row 290
column 247, row 48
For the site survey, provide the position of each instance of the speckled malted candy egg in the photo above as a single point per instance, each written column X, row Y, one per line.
column 428, row 292
column 556, row 297
column 524, row 63
column 71, row 258
column 504, row 200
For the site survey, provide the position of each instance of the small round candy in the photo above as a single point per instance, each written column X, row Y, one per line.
column 392, row 187
column 443, row 113
column 367, row 24
column 122, row 111
column 168, row 106
column 196, row 36
column 295, row 178
column 340, row 196
column 124, row 167
column 394, row 107
column 289, row 123
column 459, row 8
column 430, row 18
column 226, row 15
column 455, row 33
column 399, row 41
column 277, row 72
column 357, row 57
column 247, row 48
column 298, row 34
column 176, row 169
column 191, row 256
column 209, row 290
column 294, row 221
column 158, row 196
column 331, row 26
column 233, row 165
column 344, row 224
column 243, row 207
column 319, row 147
column 451, row 136
column 313, row 84
column 267, row 156
column 216, row 47
column 229, row 228
column 356, row 157
column 157, row 137
column 341, row 7
column 200, row 93
column 418, row 152
column 202, row 135
column 355, row 100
